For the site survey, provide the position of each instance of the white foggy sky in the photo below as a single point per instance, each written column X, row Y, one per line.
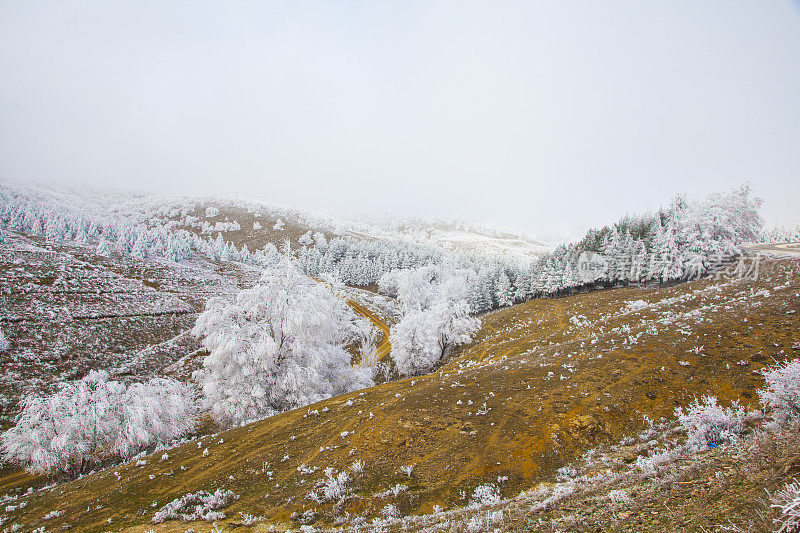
column 547, row 117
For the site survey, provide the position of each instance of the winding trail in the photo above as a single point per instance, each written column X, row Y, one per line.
column 384, row 346
column 789, row 248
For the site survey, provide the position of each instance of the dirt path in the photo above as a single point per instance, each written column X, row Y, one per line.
column 384, row 347
column 789, row 248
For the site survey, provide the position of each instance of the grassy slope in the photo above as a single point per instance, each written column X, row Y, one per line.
column 601, row 387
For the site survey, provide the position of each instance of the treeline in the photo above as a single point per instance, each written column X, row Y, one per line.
column 58, row 223
column 687, row 240
column 684, row 241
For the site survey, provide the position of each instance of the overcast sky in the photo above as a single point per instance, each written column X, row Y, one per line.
column 544, row 116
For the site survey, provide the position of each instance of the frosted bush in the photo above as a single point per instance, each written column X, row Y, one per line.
column 202, row 505
column 357, row 467
column 782, row 392
column 487, row 494
column 565, row 473
column 787, row 503
column 636, row 305
column 334, row 487
column 708, row 425
column 560, row 492
column 251, row 520
column 619, row 496
column 649, row 465
column 407, row 470
column 393, row 491
column 390, row 511
column 91, row 420
column 475, row 524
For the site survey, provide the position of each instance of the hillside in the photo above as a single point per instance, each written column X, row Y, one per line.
column 254, row 224
column 542, row 383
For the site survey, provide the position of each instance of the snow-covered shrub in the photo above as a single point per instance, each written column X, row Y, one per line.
column 393, row 491
column 202, row 505
column 251, row 520
column 211, row 212
column 407, row 469
column 707, row 424
column 334, row 486
column 487, row 494
column 494, row 518
column 636, row 305
column 783, row 391
column 560, row 492
column 787, row 502
column 619, row 496
column 357, row 467
column 91, row 420
column 390, row 511
column 565, row 473
column 277, row 346
column 475, row 524
column 4, row 343
column 649, row 465
column 306, row 239
column 103, row 247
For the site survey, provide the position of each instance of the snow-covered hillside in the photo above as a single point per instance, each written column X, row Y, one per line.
column 256, row 223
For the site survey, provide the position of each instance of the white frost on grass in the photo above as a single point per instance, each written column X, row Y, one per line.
column 787, row 502
column 202, row 505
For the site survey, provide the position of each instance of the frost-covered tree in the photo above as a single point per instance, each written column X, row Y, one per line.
column 277, row 346
column 503, row 290
column 423, row 338
column 306, row 239
column 279, row 225
column 669, row 256
column 92, row 420
column 434, row 300
column 319, row 239
column 103, row 247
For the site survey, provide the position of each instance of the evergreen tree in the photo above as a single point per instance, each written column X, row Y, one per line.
column 503, row 290
column 103, row 247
